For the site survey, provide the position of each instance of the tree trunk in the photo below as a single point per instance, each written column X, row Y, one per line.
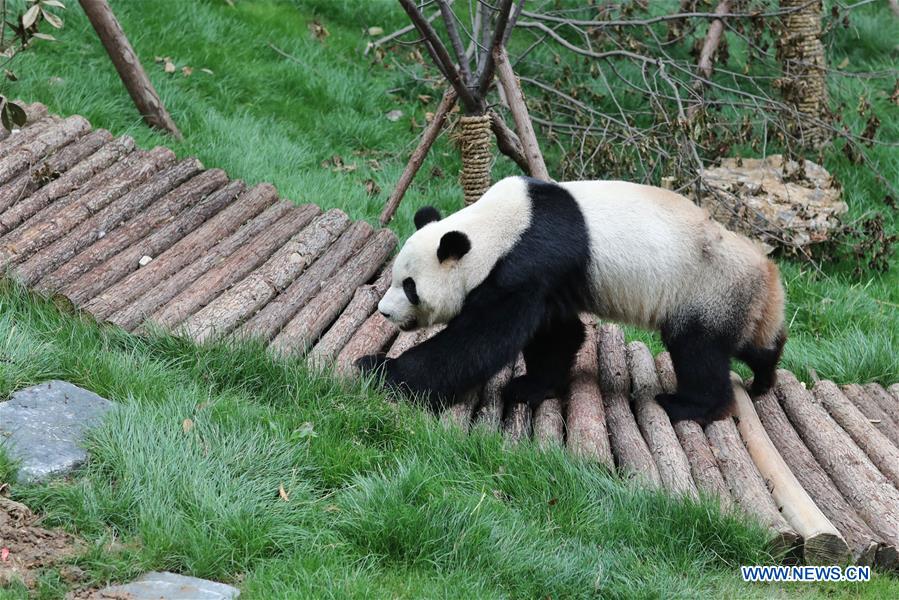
column 804, row 82
column 128, row 66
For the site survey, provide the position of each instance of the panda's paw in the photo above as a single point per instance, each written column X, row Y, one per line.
column 683, row 409
column 373, row 363
column 525, row 390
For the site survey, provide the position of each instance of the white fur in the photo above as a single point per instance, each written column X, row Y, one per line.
column 653, row 253
column 493, row 224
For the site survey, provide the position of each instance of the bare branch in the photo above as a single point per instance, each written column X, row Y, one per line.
column 449, row 19
column 519, row 109
column 441, row 57
column 499, row 34
column 398, row 33
column 418, row 155
column 507, row 142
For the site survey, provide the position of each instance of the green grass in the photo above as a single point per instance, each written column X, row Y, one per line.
column 382, row 501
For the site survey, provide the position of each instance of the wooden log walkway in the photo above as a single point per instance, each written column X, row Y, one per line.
column 138, row 239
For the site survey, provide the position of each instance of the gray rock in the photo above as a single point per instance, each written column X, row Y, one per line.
column 170, row 586
column 43, row 428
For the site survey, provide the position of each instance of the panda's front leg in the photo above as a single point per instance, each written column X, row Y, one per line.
column 487, row 335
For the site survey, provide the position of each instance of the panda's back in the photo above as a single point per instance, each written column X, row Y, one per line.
column 653, row 252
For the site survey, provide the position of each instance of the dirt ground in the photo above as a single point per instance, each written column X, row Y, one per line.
column 26, row 548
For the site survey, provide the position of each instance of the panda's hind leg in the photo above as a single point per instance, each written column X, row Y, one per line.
column 763, row 362
column 701, row 360
column 548, row 357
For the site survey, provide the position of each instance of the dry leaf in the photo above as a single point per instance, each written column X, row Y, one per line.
column 207, row 71
column 169, row 66
column 844, row 63
column 424, row 98
column 187, row 71
column 373, row 31
column 283, row 493
column 187, row 425
column 318, row 30
column 372, row 187
column 394, row 115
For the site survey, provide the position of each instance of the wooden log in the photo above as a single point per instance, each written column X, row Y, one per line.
column 130, row 232
column 519, row 416
column 872, row 411
column 458, row 414
column 185, row 250
column 877, row 446
column 266, row 323
column 894, row 391
column 118, row 266
column 50, row 169
column 628, row 447
column 128, row 66
column 864, row 487
column 82, row 177
column 489, row 413
column 23, row 136
column 94, row 226
column 33, row 112
column 406, row 340
column 703, row 465
column 822, row 542
column 862, row 541
column 205, row 289
column 746, row 484
column 371, row 338
column 519, row 110
column 588, row 434
column 674, row 468
column 883, row 399
column 49, row 141
column 365, row 301
column 418, row 155
column 311, row 322
column 549, row 424
column 131, row 315
column 57, row 220
column 229, row 310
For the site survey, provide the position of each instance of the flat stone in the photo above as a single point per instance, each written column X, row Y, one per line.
column 43, row 428
column 169, row 586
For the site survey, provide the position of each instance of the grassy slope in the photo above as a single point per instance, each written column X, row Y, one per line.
column 381, row 500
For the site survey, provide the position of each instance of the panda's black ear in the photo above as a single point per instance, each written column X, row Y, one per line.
column 425, row 215
column 453, row 245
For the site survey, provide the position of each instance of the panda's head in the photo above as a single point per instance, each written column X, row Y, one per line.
column 429, row 282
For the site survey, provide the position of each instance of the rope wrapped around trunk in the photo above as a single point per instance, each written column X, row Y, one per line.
column 474, row 136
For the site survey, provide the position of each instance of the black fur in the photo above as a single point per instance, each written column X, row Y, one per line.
column 701, row 357
column 530, row 300
column 411, row 291
column 425, row 215
column 453, row 244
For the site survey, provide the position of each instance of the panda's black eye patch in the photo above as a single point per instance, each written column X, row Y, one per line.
column 409, row 288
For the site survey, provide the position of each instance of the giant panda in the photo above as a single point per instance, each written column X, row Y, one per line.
column 511, row 273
